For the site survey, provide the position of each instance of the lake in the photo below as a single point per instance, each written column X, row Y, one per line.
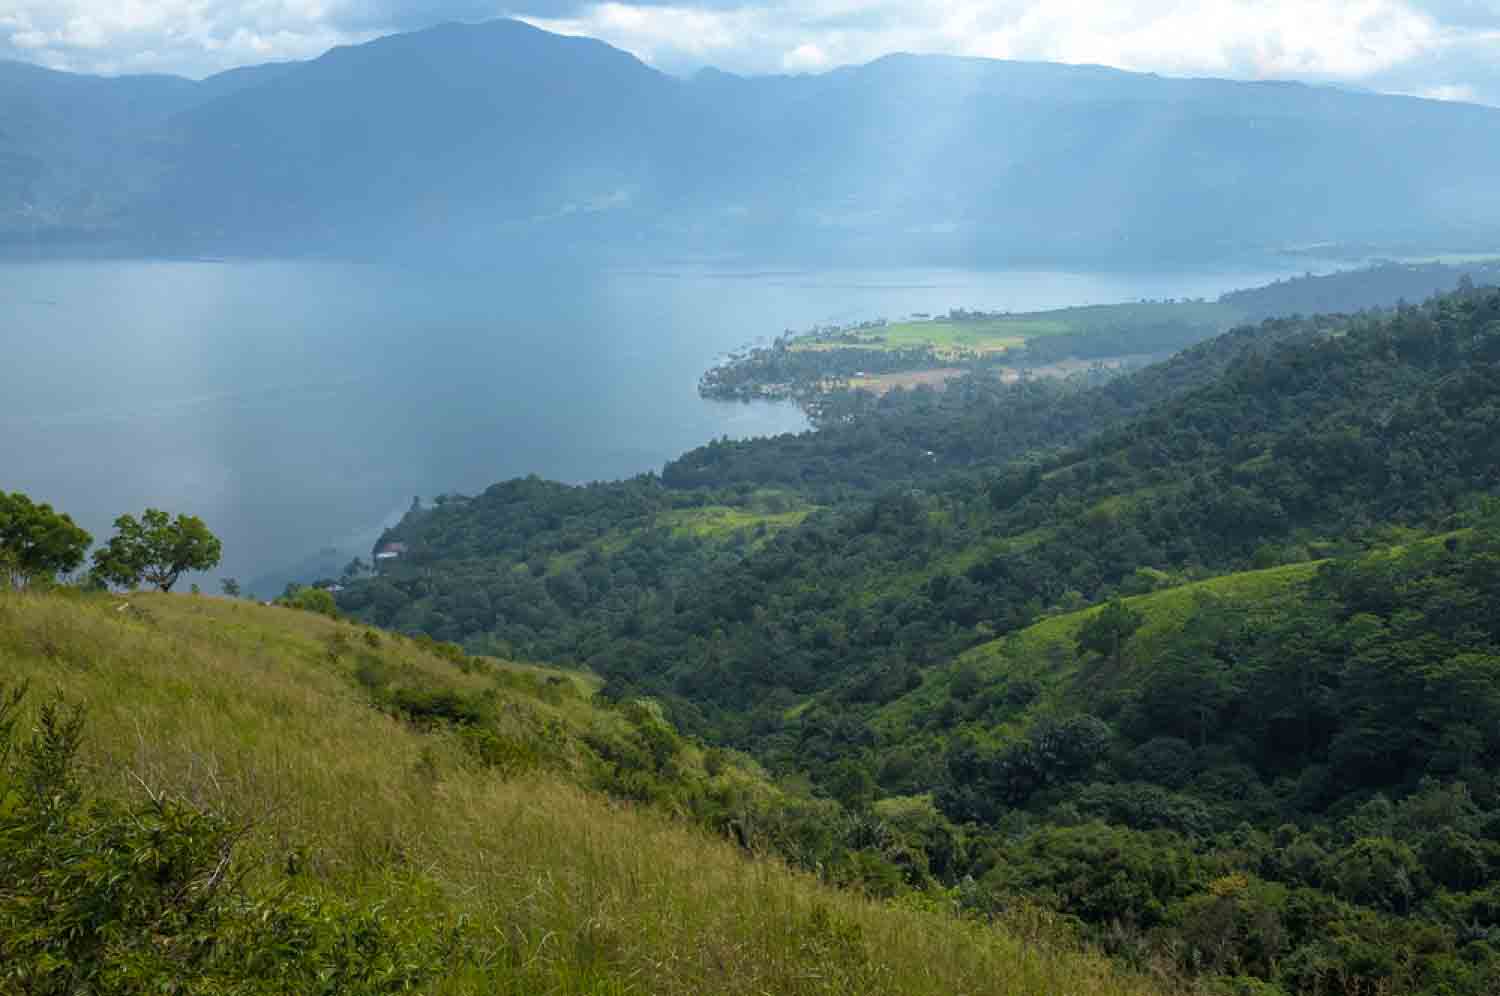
column 297, row 406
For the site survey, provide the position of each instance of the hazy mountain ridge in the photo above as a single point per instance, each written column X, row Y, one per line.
column 414, row 143
column 77, row 151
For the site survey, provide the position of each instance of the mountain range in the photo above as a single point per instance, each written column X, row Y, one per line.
column 473, row 139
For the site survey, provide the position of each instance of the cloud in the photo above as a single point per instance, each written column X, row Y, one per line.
column 1449, row 91
column 1438, row 47
column 1446, row 46
column 194, row 37
column 1328, row 39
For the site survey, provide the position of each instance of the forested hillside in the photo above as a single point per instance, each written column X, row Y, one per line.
column 1202, row 656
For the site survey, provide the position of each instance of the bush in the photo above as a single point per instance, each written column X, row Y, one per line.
column 310, row 600
column 109, row 899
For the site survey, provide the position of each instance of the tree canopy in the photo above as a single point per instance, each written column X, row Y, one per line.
column 37, row 542
column 156, row 549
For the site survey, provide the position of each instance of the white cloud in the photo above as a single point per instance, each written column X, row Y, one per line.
column 194, row 37
column 1450, row 91
column 1414, row 46
column 805, row 58
column 1328, row 39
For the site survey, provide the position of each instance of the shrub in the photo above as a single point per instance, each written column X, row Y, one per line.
column 310, row 600
column 111, row 899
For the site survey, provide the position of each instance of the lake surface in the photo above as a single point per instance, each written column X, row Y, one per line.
column 297, row 405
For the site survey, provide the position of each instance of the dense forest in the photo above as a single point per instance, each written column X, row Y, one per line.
column 1202, row 657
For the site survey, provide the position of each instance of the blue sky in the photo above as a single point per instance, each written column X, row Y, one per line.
column 1448, row 49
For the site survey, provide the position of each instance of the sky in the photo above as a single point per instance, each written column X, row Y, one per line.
column 1446, row 49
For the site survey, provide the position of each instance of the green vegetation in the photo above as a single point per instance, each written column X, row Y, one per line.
column 812, row 365
column 947, row 339
column 963, row 335
column 156, row 549
column 1198, row 665
column 262, row 801
column 1198, row 657
column 818, row 367
column 309, row 599
column 36, row 543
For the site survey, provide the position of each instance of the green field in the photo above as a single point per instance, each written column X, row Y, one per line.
column 946, row 338
column 955, row 338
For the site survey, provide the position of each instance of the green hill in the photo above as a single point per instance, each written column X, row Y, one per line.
column 397, row 814
column 1202, row 659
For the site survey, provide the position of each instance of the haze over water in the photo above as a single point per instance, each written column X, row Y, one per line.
column 298, row 405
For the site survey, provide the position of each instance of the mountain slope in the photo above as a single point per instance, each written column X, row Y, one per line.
column 469, row 138
column 261, row 715
column 979, row 157
column 78, row 152
column 1266, row 445
column 1277, row 779
column 456, row 130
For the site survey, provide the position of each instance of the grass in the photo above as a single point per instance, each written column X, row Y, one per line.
column 1045, row 651
column 954, row 339
column 714, row 523
column 257, row 712
column 723, row 521
column 947, row 339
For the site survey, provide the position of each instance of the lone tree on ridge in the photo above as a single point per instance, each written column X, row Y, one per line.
column 156, row 549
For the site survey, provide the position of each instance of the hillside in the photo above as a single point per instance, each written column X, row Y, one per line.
column 1196, row 465
column 471, row 139
column 399, row 816
column 1202, row 656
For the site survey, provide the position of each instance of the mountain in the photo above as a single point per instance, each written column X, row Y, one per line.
column 476, row 134
column 975, row 158
column 473, row 139
column 77, row 152
column 70, row 154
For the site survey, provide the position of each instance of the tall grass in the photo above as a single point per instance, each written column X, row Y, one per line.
column 253, row 711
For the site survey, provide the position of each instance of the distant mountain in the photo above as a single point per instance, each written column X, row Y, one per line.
column 478, row 138
column 458, row 131
column 77, row 153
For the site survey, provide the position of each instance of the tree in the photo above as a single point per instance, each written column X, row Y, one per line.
column 1109, row 629
column 230, row 587
column 156, row 549
column 36, row 542
column 851, row 784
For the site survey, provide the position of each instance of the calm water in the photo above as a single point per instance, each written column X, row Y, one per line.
column 296, row 406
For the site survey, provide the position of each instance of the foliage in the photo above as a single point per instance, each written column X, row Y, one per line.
column 493, row 863
column 1279, row 778
column 156, row 549
column 1106, row 631
column 37, row 543
column 309, row 599
column 107, row 898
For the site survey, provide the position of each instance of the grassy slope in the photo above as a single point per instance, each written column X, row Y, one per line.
column 708, row 524
column 1045, row 652
column 254, row 711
